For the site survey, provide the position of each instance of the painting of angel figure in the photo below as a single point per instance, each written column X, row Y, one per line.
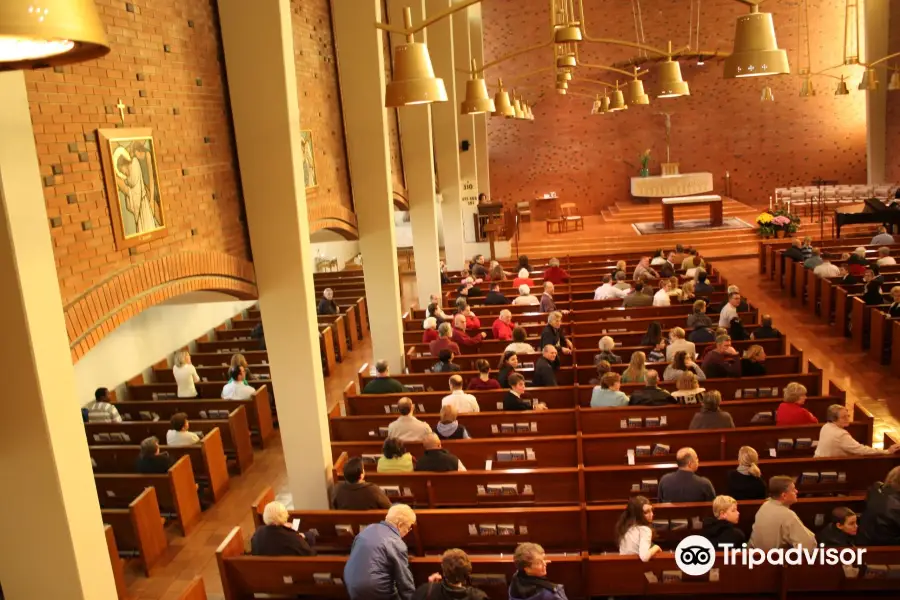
column 132, row 185
column 310, row 177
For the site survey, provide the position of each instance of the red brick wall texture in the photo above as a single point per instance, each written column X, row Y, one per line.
column 721, row 127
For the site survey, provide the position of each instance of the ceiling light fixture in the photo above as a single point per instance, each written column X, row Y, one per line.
column 671, row 85
column 767, row 95
column 502, row 106
column 49, row 33
column 617, row 100
column 477, row 101
column 806, row 89
column 842, row 89
column 414, row 81
column 894, row 83
column 869, row 80
column 756, row 51
column 636, row 95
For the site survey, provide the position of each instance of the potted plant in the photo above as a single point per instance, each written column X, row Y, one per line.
column 788, row 223
column 766, row 229
column 645, row 163
column 781, row 224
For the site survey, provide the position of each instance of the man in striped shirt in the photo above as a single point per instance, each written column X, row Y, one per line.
column 100, row 410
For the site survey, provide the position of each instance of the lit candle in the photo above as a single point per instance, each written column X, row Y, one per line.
column 770, row 202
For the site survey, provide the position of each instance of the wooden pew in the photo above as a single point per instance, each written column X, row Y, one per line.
column 207, row 460
column 258, row 408
column 218, row 359
column 176, row 492
column 138, row 529
column 235, row 433
column 118, row 565
column 565, row 421
column 195, row 590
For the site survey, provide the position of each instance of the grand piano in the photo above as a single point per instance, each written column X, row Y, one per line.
column 872, row 210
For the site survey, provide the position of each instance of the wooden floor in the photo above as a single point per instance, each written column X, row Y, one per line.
column 865, row 383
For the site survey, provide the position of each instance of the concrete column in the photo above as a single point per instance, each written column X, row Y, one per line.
column 482, row 161
column 418, row 163
column 259, row 58
column 446, row 137
column 360, row 58
column 468, row 172
column 877, row 22
column 54, row 542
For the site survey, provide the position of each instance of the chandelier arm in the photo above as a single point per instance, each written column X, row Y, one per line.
column 881, row 60
column 524, row 75
column 588, row 37
column 494, row 63
column 591, row 96
column 598, row 81
column 613, row 69
column 427, row 22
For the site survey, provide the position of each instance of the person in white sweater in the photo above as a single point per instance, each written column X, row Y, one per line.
column 835, row 441
column 185, row 375
column 633, row 529
column 179, row 435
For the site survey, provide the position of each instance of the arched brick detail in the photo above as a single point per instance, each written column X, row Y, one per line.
column 401, row 202
column 348, row 231
column 334, row 218
column 98, row 311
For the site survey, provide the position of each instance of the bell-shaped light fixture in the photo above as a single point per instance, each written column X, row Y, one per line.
column 517, row 107
column 595, row 108
column 617, row 100
column 565, row 74
column 756, row 51
column 477, row 101
column 604, row 103
column 566, row 60
column 894, row 83
column 869, row 80
column 35, row 35
column 767, row 95
column 502, row 106
column 414, row 81
column 564, row 34
column 562, row 85
column 561, row 91
column 841, row 89
column 806, row 89
column 671, row 85
column 529, row 114
column 636, row 95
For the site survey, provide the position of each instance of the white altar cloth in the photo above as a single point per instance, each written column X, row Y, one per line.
column 666, row 186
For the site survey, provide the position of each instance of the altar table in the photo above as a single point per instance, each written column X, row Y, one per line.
column 715, row 208
column 666, row 186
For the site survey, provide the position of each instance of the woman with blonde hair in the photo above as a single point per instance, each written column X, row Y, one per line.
column 238, row 360
column 746, row 482
column 637, row 369
column 687, row 293
column 449, row 428
column 753, row 364
column 689, row 390
column 185, row 375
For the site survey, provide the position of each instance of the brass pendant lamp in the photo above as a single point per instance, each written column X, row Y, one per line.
column 414, row 81
column 894, row 83
column 517, row 107
column 502, row 106
column 756, row 51
column 806, row 89
column 604, row 102
column 477, row 101
column 598, row 104
column 565, row 74
column 562, row 85
column 617, row 100
column 767, row 95
column 671, row 85
column 869, row 80
column 636, row 95
column 564, row 34
column 842, row 89
column 567, row 60
column 35, row 35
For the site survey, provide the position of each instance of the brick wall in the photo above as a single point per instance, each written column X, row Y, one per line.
column 892, row 155
column 721, row 127
column 166, row 67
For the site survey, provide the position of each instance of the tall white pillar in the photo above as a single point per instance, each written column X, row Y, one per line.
column 259, row 58
column 360, row 59
column 482, row 160
column 446, row 136
column 54, row 545
column 877, row 19
column 418, row 164
column 468, row 172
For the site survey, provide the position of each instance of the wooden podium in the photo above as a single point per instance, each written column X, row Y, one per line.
column 488, row 214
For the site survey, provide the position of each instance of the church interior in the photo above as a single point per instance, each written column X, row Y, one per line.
column 262, row 257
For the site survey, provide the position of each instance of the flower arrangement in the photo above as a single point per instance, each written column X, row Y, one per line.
column 645, row 159
column 764, row 220
column 777, row 221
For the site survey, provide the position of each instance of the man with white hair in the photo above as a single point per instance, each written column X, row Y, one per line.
column 554, row 273
column 547, row 303
column 277, row 538
column 525, row 297
column 503, row 326
column 327, row 305
column 378, row 565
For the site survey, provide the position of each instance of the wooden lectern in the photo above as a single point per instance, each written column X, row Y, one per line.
column 488, row 214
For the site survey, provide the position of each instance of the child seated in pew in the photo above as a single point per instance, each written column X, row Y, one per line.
column 449, row 428
column 237, row 387
column 445, row 362
column 841, row 531
column 722, row 528
column 633, row 530
column 151, row 460
column 278, row 538
column 179, row 435
column 514, row 400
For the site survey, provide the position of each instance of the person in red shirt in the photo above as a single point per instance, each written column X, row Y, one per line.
column 462, row 339
column 555, row 274
column 483, row 380
column 791, row 411
column 503, row 326
column 473, row 323
column 523, row 278
column 444, row 341
column 431, row 333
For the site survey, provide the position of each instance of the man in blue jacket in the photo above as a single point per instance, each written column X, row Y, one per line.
column 378, row 567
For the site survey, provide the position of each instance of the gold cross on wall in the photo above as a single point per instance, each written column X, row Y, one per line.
column 121, row 107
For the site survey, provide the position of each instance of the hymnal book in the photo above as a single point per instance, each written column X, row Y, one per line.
column 660, row 524
column 750, row 393
column 533, row 426
column 696, row 523
column 155, row 396
column 126, row 417
column 842, row 477
column 650, row 577
column 629, row 455
column 499, row 406
column 323, row 579
column 661, row 449
column 415, row 387
column 517, row 454
column 819, row 520
column 421, row 407
column 488, row 465
column 506, row 529
column 529, row 454
column 509, row 489
column 383, row 432
column 651, row 422
column 649, row 485
column 785, row 444
column 407, row 492
column 204, row 379
column 803, row 444
column 507, row 428
column 663, row 421
column 343, row 530
column 117, row 437
column 828, row 477
column 635, row 487
column 763, row 417
column 809, row 477
column 481, row 491
column 678, row 524
column 504, row 455
column 370, row 459
column 102, row 437
column 523, row 428
column 203, row 414
column 493, row 489
column 395, row 409
column 295, row 524
column 635, row 422
column 876, row 572
column 488, row 529
column 526, row 491
column 623, row 424
column 765, row 392
column 893, row 571
column 495, row 429
column 528, row 365
column 391, row 491
column 487, row 579
column 387, row 409
column 642, row 451
column 671, row 576
column 473, row 529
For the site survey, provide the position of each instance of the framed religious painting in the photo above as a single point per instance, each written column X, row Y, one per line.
column 136, row 206
column 310, row 176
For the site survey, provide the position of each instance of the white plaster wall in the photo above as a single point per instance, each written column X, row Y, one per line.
column 332, row 245
column 403, row 226
column 150, row 336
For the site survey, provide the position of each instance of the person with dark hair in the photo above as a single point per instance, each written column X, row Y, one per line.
column 259, row 334
column 523, row 263
column 776, row 525
column 520, row 343
column 653, row 335
column 237, row 387
column 508, row 364
column 721, row 529
column 483, row 381
column 765, row 331
column 880, row 521
column 394, row 457
column 684, row 485
column 736, row 330
column 639, row 297
column 698, row 316
column 494, row 296
column 383, row 382
column 151, row 460
column 841, row 531
column 711, row 416
column 355, row 493
column 101, row 410
column 681, row 363
column 633, row 529
column 456, row 568
column 723, row 361
column 445, row 363
column 651, row 394
column 702, row 287
column 872, row 291
column 530, row 582
column 327, row 305
column 178, row 434
column 603, row 367
column 407, row 427
column 514, row 400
